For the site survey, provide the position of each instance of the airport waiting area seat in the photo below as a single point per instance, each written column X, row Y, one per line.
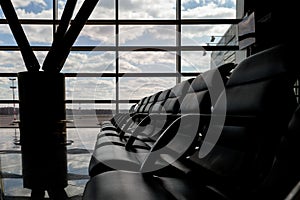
column 233, row 135
column 187, row 97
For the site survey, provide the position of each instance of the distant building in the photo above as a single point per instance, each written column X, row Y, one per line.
column 228, row 39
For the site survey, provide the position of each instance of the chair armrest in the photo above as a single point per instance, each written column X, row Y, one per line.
column 167, row 118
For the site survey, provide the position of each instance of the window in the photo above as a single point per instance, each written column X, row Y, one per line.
column 127, row 49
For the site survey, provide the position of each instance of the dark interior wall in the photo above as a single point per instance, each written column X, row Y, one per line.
column 276, row 21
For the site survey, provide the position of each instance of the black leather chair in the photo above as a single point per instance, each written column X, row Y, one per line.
column 236, row 155
column 191, row 96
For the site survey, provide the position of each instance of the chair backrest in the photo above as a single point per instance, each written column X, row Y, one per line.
column 205, row 89
column 132, row 109
column 261, row 89
column 180, row 138
column 139, row 108
column 152, row 101
column 285, row 172
column 145, row 104
column 157, row 107
column 177, row 94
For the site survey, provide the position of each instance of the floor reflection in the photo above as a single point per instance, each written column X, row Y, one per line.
column 79, row 154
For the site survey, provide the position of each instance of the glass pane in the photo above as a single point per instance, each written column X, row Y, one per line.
column 33, row 9
column 105, row 9
column 1, row 13
column 62, row 4
column 90, row 62
column 7, row 117
column 8, row 88
column 220, row 57
column 132, row 88
column 184, row 78
column 90, row 88
column 39, row 34
column 147, row 9
column 208, row 9
column 84, row 141
column 147, row 35
column 11, row 62
column 36, row 35
column 96, row 36
column 6, row 36
column 84, row 114
column 41, row 55
column 124, row 107
column 200, row 61
column 195, row 61
column 210, row 35
column 150, row 62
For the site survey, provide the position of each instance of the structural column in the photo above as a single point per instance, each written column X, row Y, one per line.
column 43, row 130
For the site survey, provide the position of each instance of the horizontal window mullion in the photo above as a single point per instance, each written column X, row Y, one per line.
column 4, row 101
column 129, row 74
column 149, row 74
column 113, row 74
column 8, row 74
column 99, row 101
column 131, row 22
column 131, row 48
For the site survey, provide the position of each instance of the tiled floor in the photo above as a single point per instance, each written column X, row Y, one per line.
column 79, row 154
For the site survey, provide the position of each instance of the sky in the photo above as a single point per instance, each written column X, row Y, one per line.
column 101, row 62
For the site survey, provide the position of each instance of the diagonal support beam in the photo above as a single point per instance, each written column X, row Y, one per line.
column 28, row 55
column 59, row 35
column 62, row 50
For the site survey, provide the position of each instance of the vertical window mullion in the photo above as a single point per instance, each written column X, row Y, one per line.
column 117, row 55
column 55, row 15
column 178, row 40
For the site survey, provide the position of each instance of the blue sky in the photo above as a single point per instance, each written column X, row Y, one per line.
column 104, row 36
column 200, row 3
column 36, row 7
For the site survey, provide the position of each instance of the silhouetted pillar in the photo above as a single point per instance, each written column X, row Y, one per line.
column 43, row 130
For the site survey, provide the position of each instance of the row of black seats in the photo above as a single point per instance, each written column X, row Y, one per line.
column 230, row 133
column 124, row 142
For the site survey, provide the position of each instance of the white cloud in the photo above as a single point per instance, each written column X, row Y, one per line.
column 144, row 58
column 90, row 88
column 131, row 33
column 195, row 61
column 35, row 34
column 22, row 3
column 103, row 35
column 136, row 88
column 39, row 34
column 103, row 10
column 132, row 88
column 209, row 11
column 147, row 35
column 147, row 9
column 11, row 62
column 126, row 66
column 5, row 29
column 200, row 34
column 44, row 14
column 21, row 8
column 205, row 2
column 147, row 62
column 164, row 32
column 95, row 62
